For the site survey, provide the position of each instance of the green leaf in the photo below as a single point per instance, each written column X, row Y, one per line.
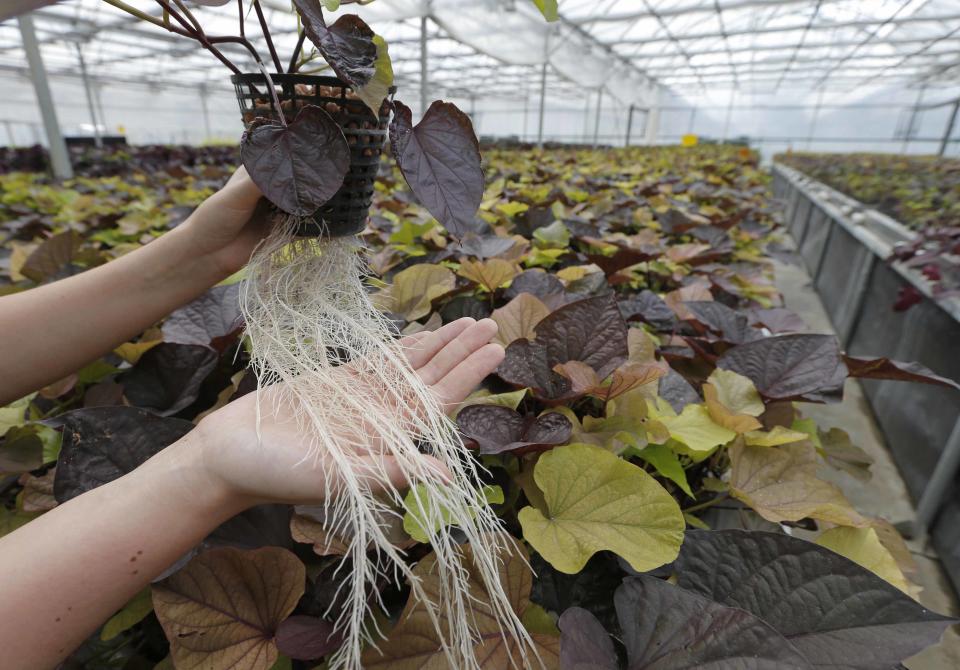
column 417, row 503
column 331, row 5
column 695, row 429
column 511, row 400
column 537, row 620
column 132, row 613
column 14, row 414
column 808, row 426
column 95, row 372
column 379, row 85
column 665, row 461
column 598, row 501
column 773, row 438
column 554, row 236
column 736, row 392
column 863, row 546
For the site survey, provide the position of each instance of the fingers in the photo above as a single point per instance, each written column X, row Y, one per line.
column 457, row 350
column 459, row 382
column 421, row 347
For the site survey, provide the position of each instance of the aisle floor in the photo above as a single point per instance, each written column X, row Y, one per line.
column 885, row 494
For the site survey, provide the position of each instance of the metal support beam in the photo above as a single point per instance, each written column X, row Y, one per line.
column 798, row 27
column 88, row 90
column 59, row 158
column 206, row 112
column 424, row 78
column 693, row 8
column 596, row 124
column 543, row 102
column 629, row 124
column 815, row 118
column 948, row 131
column 939, row 485
column 726, row 121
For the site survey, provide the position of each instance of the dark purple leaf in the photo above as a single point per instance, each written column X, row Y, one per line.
column 837, row 613
column 731, row 325
column 884, row 368
column 677, row 391
column 790, row 367
column 300, row 166
column 104, row 443
column 592, row 588
column 167, row 378
column 347, row 45
column 212, row 320
column 543, row 285
column 499, row 429
column 307, row 638
column 585, row 643
column 590, row 331
column 907, row 297
column 440, row 159
column 485, row 246
column 779, row 320
column 650, row 308
column 665, row 626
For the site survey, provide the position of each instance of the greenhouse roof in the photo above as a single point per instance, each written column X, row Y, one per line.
column 499, row 47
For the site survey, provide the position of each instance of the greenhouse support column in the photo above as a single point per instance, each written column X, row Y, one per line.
column 596, row 124
column 9, row 127
column 816, row 116
column 424, row 83
column 939, row 485
column 951, row 122
column 629, row 124
column 97, row 140
column 206, row 112
column 543, row 102
column 726, row 123
column 59, row 158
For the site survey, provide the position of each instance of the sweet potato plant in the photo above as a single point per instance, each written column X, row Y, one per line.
column 643, row 440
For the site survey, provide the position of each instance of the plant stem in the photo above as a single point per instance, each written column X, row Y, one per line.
column 273, row 93
column 242, row 29
column 294, row 65
column 709, row 503
column 143, row 16
column 189, row 15
column 266, row 36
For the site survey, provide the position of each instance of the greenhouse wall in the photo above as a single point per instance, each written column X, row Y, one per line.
column 844, row 246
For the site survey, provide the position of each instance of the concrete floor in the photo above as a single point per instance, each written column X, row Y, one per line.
column 885, row 494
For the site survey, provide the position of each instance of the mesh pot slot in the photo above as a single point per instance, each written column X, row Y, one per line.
column 346, row 212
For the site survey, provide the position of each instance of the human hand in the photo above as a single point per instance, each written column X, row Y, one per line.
column 273, row 468
column 228, row 225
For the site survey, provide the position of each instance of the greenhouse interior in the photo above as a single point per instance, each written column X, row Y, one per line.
column 479, row 334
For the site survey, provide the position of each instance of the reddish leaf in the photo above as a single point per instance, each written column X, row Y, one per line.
column 300, row 166
column 731, row 325
column 167, row 378
column 498, row 429
column 884, row 368
column 907, row 297
column 347, row 45
column 440, row 159
column 212, row 320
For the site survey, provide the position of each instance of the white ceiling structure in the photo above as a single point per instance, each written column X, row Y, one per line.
column 483, row 47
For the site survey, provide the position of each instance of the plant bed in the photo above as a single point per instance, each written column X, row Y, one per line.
column 878, row 303
column 653, row 382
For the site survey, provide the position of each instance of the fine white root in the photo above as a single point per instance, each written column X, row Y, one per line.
column 316, row 336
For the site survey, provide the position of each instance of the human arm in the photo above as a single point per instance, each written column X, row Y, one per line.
column 78, row 319
column 66, row 572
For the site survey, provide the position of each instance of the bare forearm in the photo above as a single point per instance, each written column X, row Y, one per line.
column 48, row 332
column 64, row 574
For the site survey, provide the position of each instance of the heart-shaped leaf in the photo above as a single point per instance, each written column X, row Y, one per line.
column 440, row 159
column 212, row 320
column 781, row 484
column 348, row 45
column 499, row 429
column 585, row 643
column 223, row 610
column 837, row 613
column 790, row 367
column 732, row 326
column 885, row 368
column 167, row 378
column 590, row 331
column 101, row 444
column 665, row 626
column 519, row 318
column 300, row 166
column 597, row 501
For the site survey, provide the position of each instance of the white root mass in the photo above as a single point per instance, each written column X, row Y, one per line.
column 315, row 334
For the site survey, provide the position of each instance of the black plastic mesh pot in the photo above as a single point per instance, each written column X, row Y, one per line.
column 345, row 213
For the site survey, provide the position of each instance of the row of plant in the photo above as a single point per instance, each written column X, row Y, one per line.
column 918, row 191
column 922, row 192
column 651, row 384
